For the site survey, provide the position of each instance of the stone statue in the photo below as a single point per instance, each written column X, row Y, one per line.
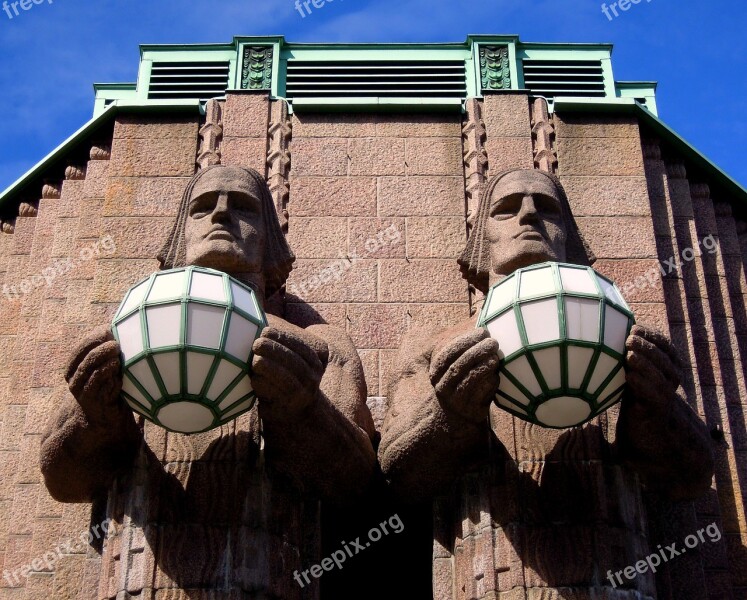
column 316, row 429
column 442, row 421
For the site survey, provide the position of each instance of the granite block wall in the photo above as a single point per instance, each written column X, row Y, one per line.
column 376, row 208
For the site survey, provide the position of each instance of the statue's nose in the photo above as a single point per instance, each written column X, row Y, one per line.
column 221, row 209
column 528, row 208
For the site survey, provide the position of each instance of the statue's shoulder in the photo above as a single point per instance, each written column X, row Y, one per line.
column 419, row 343
column 341, row 347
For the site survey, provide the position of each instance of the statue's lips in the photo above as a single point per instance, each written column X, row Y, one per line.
column 221, row 234
column 531, row 234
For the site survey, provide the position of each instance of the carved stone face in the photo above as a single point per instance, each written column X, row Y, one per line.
column 525, row 225
column 224, row 228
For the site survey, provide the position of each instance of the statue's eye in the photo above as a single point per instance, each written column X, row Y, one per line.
column 202, row 205
column 547, row 205
column 244, row 203
column 506, row 207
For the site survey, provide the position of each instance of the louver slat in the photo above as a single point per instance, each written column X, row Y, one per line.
column 552, row 78
column 375, row 78
column 188, row 80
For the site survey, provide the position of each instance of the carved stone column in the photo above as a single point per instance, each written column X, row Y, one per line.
column 545, row 518
column 201, row 517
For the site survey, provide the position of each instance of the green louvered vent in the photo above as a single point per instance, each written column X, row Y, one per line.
column 380, row 78
column 201, row 80
column 552, row 78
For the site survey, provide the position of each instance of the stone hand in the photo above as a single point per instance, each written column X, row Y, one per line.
column 287, row 368
column 464, row 373
column 94, row 376
column 652, row 371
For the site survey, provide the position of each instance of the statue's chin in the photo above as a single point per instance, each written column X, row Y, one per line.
column 529, row 252
column 222, row 255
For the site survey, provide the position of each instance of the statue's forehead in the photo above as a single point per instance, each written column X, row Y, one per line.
column 226, row 179
column 524, row 181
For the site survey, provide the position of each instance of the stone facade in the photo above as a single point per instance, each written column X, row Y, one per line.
column 376, row 208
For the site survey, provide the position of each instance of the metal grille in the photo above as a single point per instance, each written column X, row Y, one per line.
column 387, row 78
column 201, row 80
column 552, row 78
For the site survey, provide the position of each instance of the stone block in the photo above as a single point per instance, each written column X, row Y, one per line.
column 607, row 196
column 436, row 317
column 319, row 156
column 506, row 115
column 377, row 325
column 246, row 115
column 619, row 237
column 314, row 280
column 600, row 156
column 136, row 237
column 23, row 237
column 245, row 152
column 143, row 196
column 433, row 156
column 421, row 196
column 651, row 314
column 426, row 280
column 377, row 238
column 412, row 126
column 12, row 427
column 151, row 157
column 638, row 279
column 24, row 505
column 509, row 153
column 97, row 177
column 318, row 237
column 342, row 125
column 155, row 127
column 332, row 197
column 600, row 126
column 115, row 276
column 377, row 156
column 436, row 237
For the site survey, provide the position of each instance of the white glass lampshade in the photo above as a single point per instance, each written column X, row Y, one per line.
column 186, row 337
column 561, row 330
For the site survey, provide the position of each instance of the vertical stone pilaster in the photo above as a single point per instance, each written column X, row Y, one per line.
column 475, row 156
column 543, row 137
column 475, row 159
column 279, row 159
column 211, row 135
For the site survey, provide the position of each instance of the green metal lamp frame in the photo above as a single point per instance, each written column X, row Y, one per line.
column 220, row 416
column 598, row 405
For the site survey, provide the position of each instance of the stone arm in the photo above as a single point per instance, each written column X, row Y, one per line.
column 324, row 444
column 93, row 437
column 658, row 434
column 430, row 438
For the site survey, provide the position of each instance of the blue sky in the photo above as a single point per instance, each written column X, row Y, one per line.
column 54, row 52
